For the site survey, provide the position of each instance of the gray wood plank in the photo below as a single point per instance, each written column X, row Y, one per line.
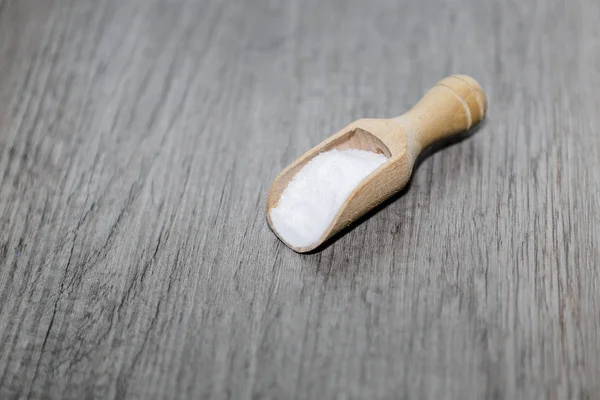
column 137, row 142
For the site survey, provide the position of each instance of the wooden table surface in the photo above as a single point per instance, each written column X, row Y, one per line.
column 138, row 139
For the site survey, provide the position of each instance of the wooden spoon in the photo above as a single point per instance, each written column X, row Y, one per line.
column 453, row 105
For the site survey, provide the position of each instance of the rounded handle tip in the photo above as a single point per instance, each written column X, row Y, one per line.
column 455, row 104
column 470, row 92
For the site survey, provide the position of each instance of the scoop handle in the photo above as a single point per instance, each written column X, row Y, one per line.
column 453, row 105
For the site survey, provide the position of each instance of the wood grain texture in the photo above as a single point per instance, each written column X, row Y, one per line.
column 137, row 142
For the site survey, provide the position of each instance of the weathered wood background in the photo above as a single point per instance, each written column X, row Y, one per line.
column 138, row 139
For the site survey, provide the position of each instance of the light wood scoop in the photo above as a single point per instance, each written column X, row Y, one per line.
column 453, row 105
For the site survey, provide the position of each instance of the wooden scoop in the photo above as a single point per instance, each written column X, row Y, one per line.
column 453, row 105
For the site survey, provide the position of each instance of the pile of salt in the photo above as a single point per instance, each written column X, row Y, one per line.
column 315, row 194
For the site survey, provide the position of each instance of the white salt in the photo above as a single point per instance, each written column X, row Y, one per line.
column 315, row 194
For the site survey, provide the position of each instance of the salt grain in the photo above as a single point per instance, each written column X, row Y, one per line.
column 311, row 200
